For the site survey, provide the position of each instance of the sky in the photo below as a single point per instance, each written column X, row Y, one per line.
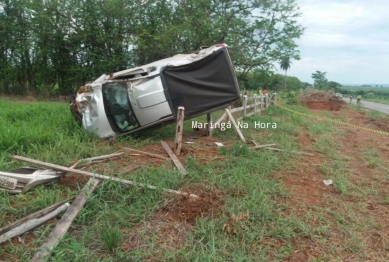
column 347, row 39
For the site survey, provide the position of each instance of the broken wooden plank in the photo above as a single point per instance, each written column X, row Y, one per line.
column 44, row 252
column 294, row 152
column 90, row 174
column 92, row 159
column 29, row 224
column 37, row 214
column 145, row 153
column 235, row 125
column 261, row 146
column 268, row 146
column 173, row 157
column 98, row 159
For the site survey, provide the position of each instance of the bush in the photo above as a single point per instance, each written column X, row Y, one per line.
column 292, row 101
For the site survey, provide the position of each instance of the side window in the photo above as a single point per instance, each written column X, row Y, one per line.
column 118, row 106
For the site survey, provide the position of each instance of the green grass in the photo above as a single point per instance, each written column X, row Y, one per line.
column 45, row 130
column 377, row 100
column 248, row 180
column 384, row 90
column 372, row 157
column 111, row 236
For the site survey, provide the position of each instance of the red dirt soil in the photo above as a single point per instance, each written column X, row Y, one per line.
column 324, row 105
column 307, row 190
column 187, row 210
column 320, row 100
column 172, row 223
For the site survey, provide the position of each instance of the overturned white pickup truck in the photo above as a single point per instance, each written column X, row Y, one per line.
column 147, row 96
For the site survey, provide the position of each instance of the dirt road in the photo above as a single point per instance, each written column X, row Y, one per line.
column 371, row 105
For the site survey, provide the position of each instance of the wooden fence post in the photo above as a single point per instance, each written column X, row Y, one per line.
column 255, row 103
column 267, row 100
column 244, row 106
column 261, row 105
column 209, row 127
column 179, row 127
column 275, row 99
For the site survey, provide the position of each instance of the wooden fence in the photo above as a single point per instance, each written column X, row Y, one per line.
column 256, row 104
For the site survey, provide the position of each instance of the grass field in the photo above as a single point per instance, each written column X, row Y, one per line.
column 366, row 89
column 262, row 205
column 376, row 100
column 372, row 94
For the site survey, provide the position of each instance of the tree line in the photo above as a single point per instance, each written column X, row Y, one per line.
column 53, row 46
column 264, row 79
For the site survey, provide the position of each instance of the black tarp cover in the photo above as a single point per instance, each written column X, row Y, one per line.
column 201, row 86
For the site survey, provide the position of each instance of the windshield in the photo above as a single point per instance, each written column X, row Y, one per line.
column 118, row 106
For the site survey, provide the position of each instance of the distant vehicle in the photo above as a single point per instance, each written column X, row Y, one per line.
column 143, row 97
column 339, row 95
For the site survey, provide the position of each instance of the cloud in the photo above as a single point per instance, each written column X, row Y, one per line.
column 348, row 39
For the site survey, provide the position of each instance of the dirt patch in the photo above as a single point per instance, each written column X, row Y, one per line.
column 309, row 194
column 317, row 95
column 305, row 182
column 320, row 100
column 164, row 233
column 184, row 209
column 323, row 105
column 304, row 140
column 379, row 124
column 73, row 181
column 168, row 228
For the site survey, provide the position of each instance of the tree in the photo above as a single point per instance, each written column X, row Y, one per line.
column 51, row 43
column 259, row 79
column 306, row 85
column 285, row 65
column 258, row 32
column 320, row 80
column 333, row 85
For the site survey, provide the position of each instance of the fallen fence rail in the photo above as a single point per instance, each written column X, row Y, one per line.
column 44, row 252
column 94, row 175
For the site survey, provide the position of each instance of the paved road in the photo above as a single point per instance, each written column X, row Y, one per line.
column 371, row 105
